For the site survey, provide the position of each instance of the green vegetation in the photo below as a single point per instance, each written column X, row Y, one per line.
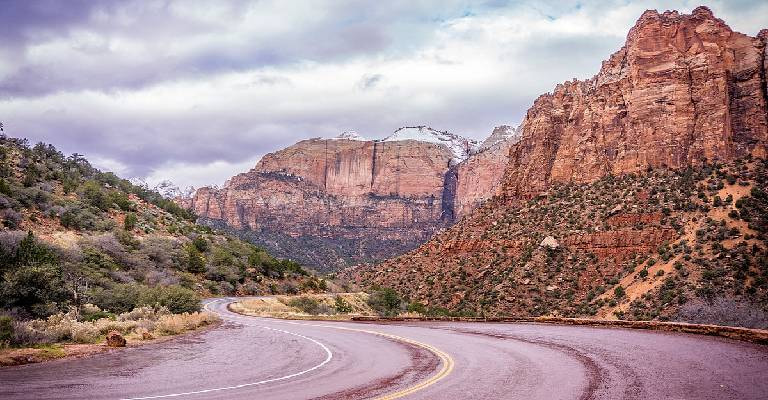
column 132, row 247
column 342, row 306
column 386, row 302
column 306, row 305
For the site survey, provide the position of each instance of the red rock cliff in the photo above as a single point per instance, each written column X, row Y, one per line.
column 369, row 199
column 683, row 89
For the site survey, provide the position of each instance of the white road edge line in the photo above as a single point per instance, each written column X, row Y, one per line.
column 328, row 358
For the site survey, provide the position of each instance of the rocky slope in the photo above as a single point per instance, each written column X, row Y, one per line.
column 333, row 202
column 685, row 91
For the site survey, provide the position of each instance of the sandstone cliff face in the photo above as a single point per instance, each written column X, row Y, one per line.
column 480, row 176
column 373, row 199
column 684, row 89
column 601, row 167
column 334, row 202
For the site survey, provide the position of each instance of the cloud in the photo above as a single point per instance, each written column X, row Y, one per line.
column 369, row 81
column 196, row 91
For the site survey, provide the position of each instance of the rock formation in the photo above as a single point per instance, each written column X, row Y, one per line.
column 684, row 89
column 332, row 202
column 602, row 168
column 480, row 176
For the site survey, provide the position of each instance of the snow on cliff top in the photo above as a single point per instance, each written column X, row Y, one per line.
column 350, row 135
column 501, row 134
column 461, row 147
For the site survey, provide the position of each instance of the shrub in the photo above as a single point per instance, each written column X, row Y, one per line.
column 177, row 323
column 144, row 313
column 119, row 298
column 38, row 290
column 200, row 243
column 342, row 306
column 130, row 221
column 386, row 302
column 6, row 329
column 619, row 292
column 306, row 305
column 724, row 311
column 79, row 218
column 10, row 218
column 417, row 307
column 176, row 298
column 85, row 333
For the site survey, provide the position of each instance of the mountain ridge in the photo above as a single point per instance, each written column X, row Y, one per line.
column 658, row 157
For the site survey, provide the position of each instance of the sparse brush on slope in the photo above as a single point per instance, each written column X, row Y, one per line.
column 71, row 234
column 638, row 246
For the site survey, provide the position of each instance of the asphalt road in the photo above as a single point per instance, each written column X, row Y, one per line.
column 258, row 358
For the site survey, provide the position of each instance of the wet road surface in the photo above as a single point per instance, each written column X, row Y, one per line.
column 259, row 358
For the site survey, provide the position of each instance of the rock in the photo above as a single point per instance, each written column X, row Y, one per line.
column 481, row 175
column 549, row 242
column 115, row 339
column 552, row 288
column 358, row 199
column 684, row 89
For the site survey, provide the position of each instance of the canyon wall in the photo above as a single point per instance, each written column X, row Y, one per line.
column 684, row 89
column 599, row 188
column 334, row 202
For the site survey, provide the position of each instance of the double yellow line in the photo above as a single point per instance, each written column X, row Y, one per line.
column 445, row 359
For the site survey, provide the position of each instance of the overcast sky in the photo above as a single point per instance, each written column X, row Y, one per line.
column 196, row 91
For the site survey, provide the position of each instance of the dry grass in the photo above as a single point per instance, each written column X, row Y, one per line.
column 140, row 324
column 174, row 324
column 286, row 306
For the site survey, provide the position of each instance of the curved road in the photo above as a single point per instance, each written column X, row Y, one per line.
column 259, row 358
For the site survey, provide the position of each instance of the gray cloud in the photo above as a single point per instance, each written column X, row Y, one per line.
column 195, row 91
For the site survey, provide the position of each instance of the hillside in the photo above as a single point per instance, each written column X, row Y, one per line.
column 72, row 234
column 330, row 203
column 640, row 245
column 639, row 193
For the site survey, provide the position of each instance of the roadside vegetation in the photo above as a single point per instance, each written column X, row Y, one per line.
column 74, row 239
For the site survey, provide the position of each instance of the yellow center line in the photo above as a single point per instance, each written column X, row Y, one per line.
column 445, row 359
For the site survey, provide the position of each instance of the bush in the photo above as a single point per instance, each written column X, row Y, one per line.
column 417, row 307
column 306, row 305
column 724, row 311
column 176, row 298
column 85, row 333
column 38, row 290
column 6, row 329
column 178, row 323
column 130, row 221
column 342, row 306
column 79, row 218
column 619, row 292
column 119, row 298
column 386, row 302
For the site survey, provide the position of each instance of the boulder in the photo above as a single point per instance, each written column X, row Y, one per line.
column 115, row 339
column 550, row 243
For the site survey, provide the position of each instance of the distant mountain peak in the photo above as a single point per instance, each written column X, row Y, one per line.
column 502, row 133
